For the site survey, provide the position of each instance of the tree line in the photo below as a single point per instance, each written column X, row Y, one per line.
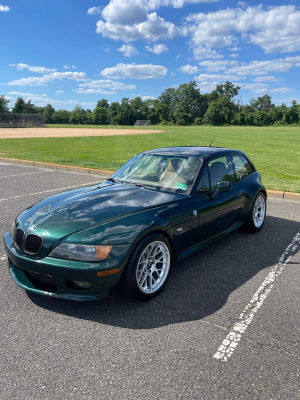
column 184, row 105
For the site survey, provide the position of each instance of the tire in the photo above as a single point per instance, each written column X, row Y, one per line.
column 144, row 277
column 257, row 214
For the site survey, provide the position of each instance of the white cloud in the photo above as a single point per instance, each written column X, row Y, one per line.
column 157, row 48
column 43, row 80
column 135, row 11
column 107, row 83
column 40, row 70
column 135, row 71
column 281, row 90
column 88, row 103
column 4, row 8
column 148, row 98
column 178, row 56
column 127, row 12
column 66, row 67
column 276, row 29
column 217, row 78
column 286, row 100
column 188, row 69
column 202, row 52
column 94, row 91
column 219, row 65
column 265, row 67
column 265, row 79
column 128, row 50
column 41, row 100
column 94, row 11
column 26, row 94
column 254, row 87
column 152, row 29
column 73, row 66
column 60, row 91
column 206, row 87
column 154, row 4
column 235, row 55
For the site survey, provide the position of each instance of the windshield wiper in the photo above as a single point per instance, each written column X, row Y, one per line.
column 113, row 180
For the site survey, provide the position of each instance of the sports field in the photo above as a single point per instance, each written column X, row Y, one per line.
column 275, row 151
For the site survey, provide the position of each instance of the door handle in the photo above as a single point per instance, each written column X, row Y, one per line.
column 238, row 195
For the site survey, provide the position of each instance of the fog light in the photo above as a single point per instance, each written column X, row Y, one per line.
column 82, row 285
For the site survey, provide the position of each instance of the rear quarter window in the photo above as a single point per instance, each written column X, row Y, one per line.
column 242, row 167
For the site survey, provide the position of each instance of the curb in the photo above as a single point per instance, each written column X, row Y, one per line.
column 271, row 193
column 58, row 166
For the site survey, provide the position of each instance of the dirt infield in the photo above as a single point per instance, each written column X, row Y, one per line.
column 17, row 133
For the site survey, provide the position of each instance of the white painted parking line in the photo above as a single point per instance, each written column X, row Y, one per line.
column 3, row 257
column 25, row 173
column 49, row 191
column 231, row 341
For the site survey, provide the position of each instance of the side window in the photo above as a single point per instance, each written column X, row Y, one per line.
column 221, row 169
column 204, row 185
column 242, row 167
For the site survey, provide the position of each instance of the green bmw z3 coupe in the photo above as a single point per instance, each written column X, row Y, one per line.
column 126, row 233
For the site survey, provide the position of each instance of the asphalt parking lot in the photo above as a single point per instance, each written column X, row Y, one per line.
column 177, row 346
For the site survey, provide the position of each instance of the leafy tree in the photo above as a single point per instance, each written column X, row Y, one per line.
column 221, row 111
column 125, row 115
column 167, row 98
column 61, row 117
column 293, row 113
column 48, row 113
column 29, row 108
column 137, row 109
column 114, row 113
column 19, row 106
column 187, row 104
column 263, row 103
column 100, row 116
column 39, row 110
column 4, row 105
column 228, row 89
column 102, row 103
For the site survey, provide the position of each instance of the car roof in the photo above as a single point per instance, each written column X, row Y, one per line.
column 195, row 151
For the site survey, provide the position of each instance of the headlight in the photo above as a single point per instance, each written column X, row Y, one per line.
column 78, row 252
column 12, row 230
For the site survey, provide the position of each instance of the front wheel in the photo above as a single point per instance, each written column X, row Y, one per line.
column 257, row 214
column 148, row 268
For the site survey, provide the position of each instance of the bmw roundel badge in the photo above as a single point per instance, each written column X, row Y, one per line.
column 31, row 228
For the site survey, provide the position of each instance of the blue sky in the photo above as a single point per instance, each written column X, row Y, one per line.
column 68, row 52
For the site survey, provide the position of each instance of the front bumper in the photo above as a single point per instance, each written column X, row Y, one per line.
column 53, row 277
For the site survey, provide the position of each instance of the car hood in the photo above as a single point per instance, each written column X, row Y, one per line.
column 69, row 212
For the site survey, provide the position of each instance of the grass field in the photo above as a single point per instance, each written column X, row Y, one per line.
column 275, row 151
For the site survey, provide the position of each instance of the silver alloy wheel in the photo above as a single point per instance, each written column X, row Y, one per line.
column 153, row 267
column 259, row 211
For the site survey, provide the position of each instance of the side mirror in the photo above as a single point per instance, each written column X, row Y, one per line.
column 222, row 186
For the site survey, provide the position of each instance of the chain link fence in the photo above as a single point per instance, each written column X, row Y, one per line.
column 12, row 120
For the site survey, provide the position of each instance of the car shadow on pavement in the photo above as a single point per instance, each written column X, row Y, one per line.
column 199, row 286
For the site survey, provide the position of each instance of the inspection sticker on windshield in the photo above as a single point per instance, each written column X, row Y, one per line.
column 181, row 186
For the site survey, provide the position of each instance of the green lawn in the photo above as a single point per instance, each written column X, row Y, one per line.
column 275, row 151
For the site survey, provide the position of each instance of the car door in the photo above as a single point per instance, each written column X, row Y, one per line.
column 217, row 214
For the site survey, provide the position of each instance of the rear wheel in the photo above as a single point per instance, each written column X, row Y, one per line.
column 148, row 268
column 257, row 214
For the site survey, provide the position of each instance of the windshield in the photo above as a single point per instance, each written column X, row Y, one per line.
column 160, row 171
